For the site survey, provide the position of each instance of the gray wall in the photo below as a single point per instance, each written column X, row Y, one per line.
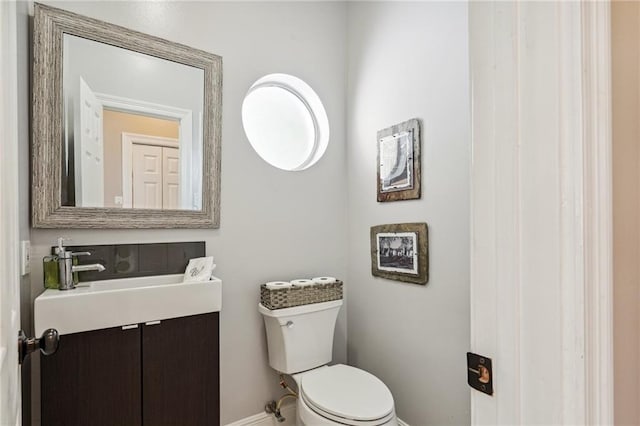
column 410, row 60
column 274, row 224
column 119, row 72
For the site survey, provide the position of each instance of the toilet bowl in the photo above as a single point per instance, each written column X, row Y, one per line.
column 300, row 343
column 343, row 395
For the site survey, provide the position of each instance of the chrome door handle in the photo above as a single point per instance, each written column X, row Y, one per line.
column 47, row 343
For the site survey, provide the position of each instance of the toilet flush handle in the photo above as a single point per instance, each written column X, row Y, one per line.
column 289, row 324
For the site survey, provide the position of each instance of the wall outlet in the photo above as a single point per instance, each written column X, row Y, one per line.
column 25, row 257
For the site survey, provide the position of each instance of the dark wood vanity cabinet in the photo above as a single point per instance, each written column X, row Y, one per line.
column 180, row 375
column 93, row 379
column 155, row 374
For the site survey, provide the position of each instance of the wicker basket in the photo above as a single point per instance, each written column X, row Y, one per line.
column 296, row 296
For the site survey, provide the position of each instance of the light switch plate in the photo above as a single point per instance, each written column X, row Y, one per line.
column 25, row 257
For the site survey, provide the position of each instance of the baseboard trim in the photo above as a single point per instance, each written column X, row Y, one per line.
column 288, row 412
column 264, row 419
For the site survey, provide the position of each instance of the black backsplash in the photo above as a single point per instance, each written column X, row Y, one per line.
column 137, row 260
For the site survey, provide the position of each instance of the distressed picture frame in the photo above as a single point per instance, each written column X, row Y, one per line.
column 398, row 162
column 400, row 252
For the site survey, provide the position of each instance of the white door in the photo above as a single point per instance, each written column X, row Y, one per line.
column 9, row 270
column 541, row 212
column 151, row 172
column 170, row 178
column 89, row 149
column 147, row 176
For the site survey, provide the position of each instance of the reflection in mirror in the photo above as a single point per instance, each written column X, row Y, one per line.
column 132, row 128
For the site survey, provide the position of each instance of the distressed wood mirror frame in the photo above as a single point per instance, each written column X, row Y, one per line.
column 50, row 24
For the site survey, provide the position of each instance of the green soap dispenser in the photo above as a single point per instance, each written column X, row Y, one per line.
column 51, row 272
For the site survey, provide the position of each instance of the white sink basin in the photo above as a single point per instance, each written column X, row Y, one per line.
column 113, row 303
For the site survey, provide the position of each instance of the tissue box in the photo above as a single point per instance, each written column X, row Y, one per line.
column 296, row 296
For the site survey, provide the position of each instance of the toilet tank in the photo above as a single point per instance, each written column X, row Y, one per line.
column 300, row 338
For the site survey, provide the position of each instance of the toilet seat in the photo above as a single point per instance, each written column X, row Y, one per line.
column 347, row 395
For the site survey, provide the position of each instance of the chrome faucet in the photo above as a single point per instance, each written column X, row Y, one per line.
column 66, row 268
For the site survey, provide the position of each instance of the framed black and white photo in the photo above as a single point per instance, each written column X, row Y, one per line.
column 400, row 252
column 399, row 162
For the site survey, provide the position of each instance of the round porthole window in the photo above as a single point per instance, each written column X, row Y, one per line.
column 285, row 122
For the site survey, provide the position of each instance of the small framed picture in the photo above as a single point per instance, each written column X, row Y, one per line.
column 400, row 252
column 399, row 162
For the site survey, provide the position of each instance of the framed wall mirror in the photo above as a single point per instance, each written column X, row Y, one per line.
column 126, row 127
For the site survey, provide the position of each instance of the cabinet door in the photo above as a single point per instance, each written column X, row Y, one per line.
column 93, row 379
column 180, row 378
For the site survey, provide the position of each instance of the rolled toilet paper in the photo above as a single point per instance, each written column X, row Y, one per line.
column 302, row 282
column 324, row 280
column 277, row 285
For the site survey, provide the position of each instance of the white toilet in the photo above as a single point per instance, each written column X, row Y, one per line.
column 300, row 341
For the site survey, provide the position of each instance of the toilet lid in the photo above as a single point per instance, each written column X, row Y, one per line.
column 348, row 393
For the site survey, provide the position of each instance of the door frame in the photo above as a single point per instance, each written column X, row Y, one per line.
column 9, row 219
column 185, row 130
column 128, row 140
column 541, row 211
column 598, row 197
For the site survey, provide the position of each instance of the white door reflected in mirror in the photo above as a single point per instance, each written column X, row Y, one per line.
column 111, row 92
column 153, row 180
column 89, row 155
column 285, row 122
